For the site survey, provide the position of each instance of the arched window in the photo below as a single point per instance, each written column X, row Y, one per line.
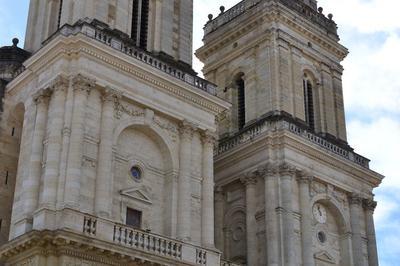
column 309, row 101
column 240, row 85
column 140, row 22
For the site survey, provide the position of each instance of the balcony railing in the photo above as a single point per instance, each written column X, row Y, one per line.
column 98, row 32
column 298, row 6
column 266, row 125
column 175, row 251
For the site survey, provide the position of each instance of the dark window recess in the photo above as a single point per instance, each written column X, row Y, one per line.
column 59, row 14
column 1, row 223
column 13, row 132
column 144, row 24
column 135, row 17
column 309, row 103
column 241, row 103
column 133, row 218
column 6, row 181
column 140, row 22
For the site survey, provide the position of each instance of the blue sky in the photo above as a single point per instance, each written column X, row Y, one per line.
column 371, row 31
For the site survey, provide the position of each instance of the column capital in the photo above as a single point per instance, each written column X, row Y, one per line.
column 42, row 96
column 60, row 83
column 266, row 170
column 369, row 204
column 355, row 199
column 286, row 169
column 249, row 179
column 187, row 129
column 304, row 177
column 208, row 137
column 80, row 82
column 111, row 95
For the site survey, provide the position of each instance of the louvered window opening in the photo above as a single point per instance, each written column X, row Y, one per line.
column 309, row 104
column 140, row 22
column 241, row 103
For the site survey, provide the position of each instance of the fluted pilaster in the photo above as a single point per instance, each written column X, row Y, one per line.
column 369, row 207
column 54, row 143
column 250, row 182
column 184, row 200
column 82, row 86
column 207, row 216
column 355, row 218
column 103, row 196
column 31, row 184
column 304, row 180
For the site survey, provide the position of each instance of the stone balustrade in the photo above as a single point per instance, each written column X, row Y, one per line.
column 298, row 6
column 142, row 241
column 99, row 32
column 266, row 125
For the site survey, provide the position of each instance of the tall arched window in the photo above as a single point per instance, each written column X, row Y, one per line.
column 309, row 101
column 240, row 85
column 140, row 22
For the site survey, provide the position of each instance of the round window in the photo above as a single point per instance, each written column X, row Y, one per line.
column 321, row 237
column 136, row 173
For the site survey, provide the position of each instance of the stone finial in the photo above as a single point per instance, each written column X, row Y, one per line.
column 15, row 42
column 222, row 9
column 320, row 10
column 210, row 17
column 330, row 16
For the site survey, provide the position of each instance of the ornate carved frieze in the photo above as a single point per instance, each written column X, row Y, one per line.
column 249, row 179
column 187, row 129
column 355, row 199
column 170, row 127
column 129, row 110
column 208, row 138
column 60, row 83
column 42, row 96
column 304, row 177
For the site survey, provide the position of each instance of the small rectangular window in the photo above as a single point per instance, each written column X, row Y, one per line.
column 133, row 218
column 1, row 223
column 13, row 132
column 6, row 181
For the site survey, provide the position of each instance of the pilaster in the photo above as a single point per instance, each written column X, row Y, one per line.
column 184, row 188
column 250, row 182
column 369, row 208
column 207, row 222
column 355, row 214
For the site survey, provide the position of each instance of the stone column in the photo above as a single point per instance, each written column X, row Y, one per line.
column 219, row 218
column 287, row 173
column 184, row 188
column 304, row 180
column 355, row 219
column 31, row 184
column 55, row 126
column 271, row 218
column 369, row 206
column 103, row 198
column 207, row 215
column 250, row 182
column 227, row 243
column 81, row 86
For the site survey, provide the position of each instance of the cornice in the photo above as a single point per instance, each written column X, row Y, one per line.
column 81, row 46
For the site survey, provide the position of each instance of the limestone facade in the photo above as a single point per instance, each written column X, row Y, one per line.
column 289, row 188
column 103, row 129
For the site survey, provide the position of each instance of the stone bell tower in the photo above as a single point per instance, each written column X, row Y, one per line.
column 109, row 137
column 289, row 188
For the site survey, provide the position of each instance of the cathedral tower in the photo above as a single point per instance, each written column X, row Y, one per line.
column 289, row 188
column 109, row 134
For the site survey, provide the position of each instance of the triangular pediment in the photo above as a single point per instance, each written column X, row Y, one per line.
column 325, row 257
column 136, row 194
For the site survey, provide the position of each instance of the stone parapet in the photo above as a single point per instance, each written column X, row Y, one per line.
column 281, row 123
column 301, row 8
column 118, row 41
column 113, row 238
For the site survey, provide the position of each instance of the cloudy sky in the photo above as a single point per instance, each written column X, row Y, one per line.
column 371, row 31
